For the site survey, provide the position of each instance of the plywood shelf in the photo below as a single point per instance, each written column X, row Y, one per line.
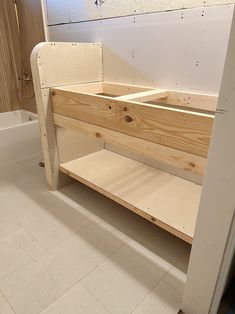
column 166, row 200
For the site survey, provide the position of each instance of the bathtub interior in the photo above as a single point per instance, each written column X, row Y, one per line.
column 19, row 136
column 13, row 118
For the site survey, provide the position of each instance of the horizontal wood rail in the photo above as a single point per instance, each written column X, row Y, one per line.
column 192, row 100
column 186, row 131
column 169, row 156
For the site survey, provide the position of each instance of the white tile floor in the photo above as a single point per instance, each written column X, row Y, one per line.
column 74, row 251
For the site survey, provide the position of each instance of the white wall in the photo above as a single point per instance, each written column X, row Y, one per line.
column 181, row 49
column 66, row 11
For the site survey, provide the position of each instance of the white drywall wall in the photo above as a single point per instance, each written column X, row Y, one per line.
column 66, row 11
column 182, row 49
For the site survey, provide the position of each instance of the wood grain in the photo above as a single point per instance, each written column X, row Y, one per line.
column 122, row 89
column 166, row 200
column 186, row 131
column 166, row 155
column 191, row 100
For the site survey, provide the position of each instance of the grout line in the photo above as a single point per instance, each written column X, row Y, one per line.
column 95, row 298
column 158, row 283
column 149, row 292
column 11, row 233
column 107, row 258
column 79, row 281
column 45, row 251
column 29, row 233
column 7, row 300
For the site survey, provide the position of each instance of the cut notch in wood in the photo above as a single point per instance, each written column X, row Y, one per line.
column 153, row 94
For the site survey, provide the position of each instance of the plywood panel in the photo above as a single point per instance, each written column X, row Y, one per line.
column 72, row 145
column 85, row 64
column 49, row 69
column 166, row 200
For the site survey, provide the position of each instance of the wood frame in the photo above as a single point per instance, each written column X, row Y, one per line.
column 212, row 250
column 46, row 72
column 80, row 115
column 179, row 129
column 201, row 105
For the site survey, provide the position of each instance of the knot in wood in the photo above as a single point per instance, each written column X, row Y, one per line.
column 128, row 119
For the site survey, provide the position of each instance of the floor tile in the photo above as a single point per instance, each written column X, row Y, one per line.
column 4, row 306
column 166, row 297
column 134, row 227
column 74, row 301
column 23, row 172
column 81, row 228
column 58, row 269
column 24, row 196
column 18, row 210
column 58, row 225
column 16, row 250
column 122, row 281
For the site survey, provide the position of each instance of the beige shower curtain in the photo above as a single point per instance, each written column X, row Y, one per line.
column 10, row 59
column 21, row 28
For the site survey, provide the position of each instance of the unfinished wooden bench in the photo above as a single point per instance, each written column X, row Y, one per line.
column 145, row 148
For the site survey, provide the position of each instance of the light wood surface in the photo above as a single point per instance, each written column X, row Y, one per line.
column 92, row 88
column 48, row 62
column 122, row 89
column 146, row 96
column 191, row 100
column 72, row 145
column 168, row 156
column 200, row 102
column 166, row 200
column 187, row 131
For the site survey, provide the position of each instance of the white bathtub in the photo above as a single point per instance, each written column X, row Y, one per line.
column 19, row 136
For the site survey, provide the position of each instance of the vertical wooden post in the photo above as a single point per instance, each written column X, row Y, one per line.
column 58, row 64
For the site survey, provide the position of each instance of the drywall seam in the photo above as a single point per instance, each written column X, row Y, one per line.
column 64, row 12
